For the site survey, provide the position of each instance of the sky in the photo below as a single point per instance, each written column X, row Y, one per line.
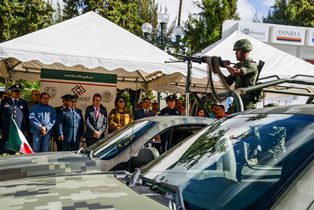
column 246, row 8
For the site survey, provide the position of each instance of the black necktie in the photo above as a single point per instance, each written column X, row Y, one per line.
column 146, row 113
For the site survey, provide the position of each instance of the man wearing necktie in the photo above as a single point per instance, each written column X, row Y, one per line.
column 145, row 111
column 16, row 108
column 70, row 126
column 96, row 121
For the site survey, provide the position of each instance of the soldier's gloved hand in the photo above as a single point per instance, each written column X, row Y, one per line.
column 226, row 63
column 233, row 71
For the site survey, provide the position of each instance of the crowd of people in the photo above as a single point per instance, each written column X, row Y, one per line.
column 65, row 125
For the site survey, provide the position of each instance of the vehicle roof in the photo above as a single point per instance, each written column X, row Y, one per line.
column 86, row 191
column 304, row 109
column 179, row 119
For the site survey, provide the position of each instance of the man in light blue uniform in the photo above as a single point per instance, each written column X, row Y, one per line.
column 70, row 126
column 42, row 119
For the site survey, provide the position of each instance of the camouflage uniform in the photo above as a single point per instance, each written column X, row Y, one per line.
column 248, row 75
column 247, row 78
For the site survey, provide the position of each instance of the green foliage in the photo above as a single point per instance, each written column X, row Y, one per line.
column 57, row 17
column 27, row 85
column 20, row 17
column 293, row 12
column 205, row 28
column 129, row 14
column 148, row 11
column 124, row 14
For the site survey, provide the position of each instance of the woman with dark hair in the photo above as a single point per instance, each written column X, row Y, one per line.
column 200, row 112
column 119, row 116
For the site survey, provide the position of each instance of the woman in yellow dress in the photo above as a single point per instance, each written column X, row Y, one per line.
column 119, row 116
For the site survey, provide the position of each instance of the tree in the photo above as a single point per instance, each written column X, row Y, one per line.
column 129, row 14
column 279, row 13
column 292, row 12
column 205, row 28
column 20, row 17
column 57, row 18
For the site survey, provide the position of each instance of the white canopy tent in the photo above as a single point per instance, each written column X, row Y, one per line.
column 276, row 61
column 91, row 43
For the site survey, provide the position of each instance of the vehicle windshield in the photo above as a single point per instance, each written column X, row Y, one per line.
column 240, row 162
column 121, row 139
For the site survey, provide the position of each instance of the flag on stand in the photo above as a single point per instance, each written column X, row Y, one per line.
column 17, row 141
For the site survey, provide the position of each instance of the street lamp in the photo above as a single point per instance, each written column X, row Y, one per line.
column 147, row 29
column 163, row 19
column 178, row 33
column 160, row 39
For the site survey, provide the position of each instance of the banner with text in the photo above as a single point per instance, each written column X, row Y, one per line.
column 288, row 35
column 310, row 37
column 84, row 84
column 257, row 31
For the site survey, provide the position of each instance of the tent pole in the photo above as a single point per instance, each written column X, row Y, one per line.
column 187, row 88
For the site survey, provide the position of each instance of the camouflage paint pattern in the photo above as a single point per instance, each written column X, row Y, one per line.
column 80, row 191
column 55, row 163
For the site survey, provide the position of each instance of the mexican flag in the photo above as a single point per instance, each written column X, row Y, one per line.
column 17, row 141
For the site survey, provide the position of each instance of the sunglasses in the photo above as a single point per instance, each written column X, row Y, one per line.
column 121, row 101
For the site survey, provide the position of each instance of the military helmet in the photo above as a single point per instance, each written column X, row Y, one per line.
column 243, row 44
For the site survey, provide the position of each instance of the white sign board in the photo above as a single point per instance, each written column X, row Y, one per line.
column 84, row 84
column 256, row 31
column 288, row 35
column 310, row 37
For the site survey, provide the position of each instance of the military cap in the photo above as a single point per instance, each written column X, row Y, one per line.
column 72, row 98
column 243, row 44
column 16, row 87
column 66, row 96
column 171, row 98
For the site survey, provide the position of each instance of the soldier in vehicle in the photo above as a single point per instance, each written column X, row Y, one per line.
column 244, row 73
column 16, row 108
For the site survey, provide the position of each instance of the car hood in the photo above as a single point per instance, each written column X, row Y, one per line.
column 84, row 191
column 40, row 164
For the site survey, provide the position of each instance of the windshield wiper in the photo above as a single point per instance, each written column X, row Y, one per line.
column 167, row 188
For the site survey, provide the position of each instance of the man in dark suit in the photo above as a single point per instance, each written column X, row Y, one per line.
column 70, row 127
column 13, row 107
column 95, row 120
column 145, row 111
